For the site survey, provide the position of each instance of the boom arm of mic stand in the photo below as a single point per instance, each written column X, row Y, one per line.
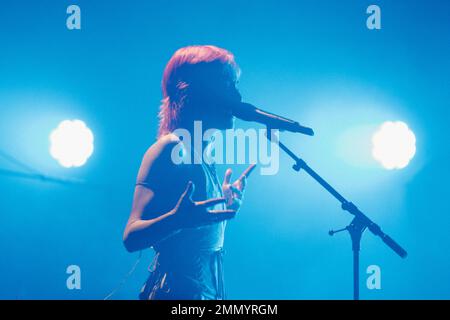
column 345, row 205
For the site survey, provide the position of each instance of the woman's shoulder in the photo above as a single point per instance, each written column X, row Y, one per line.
column 157, row 161
column 162, row 145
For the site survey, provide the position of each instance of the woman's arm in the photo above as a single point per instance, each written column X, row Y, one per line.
column 157, row 169
column 140, row 234
column 154, row 172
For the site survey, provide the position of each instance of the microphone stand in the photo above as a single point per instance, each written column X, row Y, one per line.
column 357, row 226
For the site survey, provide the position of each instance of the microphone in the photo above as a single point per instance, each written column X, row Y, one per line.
column 248, row 112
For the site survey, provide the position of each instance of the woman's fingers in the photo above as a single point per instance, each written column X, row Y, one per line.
column 236, row 190
column 229, row 211
column 187, row 193
column 209, row 202
column 227, row 178
column 219, row 215
column 247, row 171
column 242, row 181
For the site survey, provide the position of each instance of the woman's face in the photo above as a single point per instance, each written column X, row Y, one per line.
column 214, row 95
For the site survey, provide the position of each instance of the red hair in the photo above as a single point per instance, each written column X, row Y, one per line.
column 178, row 75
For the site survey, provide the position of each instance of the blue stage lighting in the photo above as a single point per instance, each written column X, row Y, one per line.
column 393, row 145
column 71, row 143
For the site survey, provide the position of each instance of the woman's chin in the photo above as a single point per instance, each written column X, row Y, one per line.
column 229, row 124
column 222, row 123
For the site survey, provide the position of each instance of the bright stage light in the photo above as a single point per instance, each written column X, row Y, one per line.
column 71, row 143
column 393, row 145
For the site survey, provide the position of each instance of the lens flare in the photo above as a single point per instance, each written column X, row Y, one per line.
column 71, row 143
column 393, row 145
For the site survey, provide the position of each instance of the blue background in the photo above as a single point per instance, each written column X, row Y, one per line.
column 314, row 61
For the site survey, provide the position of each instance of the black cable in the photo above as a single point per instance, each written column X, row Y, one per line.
column 125, row 278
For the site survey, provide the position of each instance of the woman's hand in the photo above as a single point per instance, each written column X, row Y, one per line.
column 194, row 213
column 234, row 192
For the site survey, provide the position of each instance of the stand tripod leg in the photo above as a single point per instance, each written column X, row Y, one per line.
column 356, row 229
column 355, row 274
